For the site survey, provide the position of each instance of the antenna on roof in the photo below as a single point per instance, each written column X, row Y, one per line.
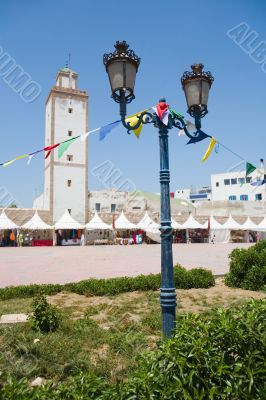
column 68, row 61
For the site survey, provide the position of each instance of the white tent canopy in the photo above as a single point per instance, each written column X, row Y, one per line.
column 147, row 223
column 232, row 225
column 122, row 223
column 36, row 223
column 6, row 223
column 68, row 222
column 191, row 223
column 176, row 225
column 249, row 225
column 96, row 223
column 215, row 225
column 262, row 225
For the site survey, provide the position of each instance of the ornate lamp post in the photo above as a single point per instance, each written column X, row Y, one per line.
column 122, row 66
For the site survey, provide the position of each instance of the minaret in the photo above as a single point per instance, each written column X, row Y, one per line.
column 66, row 178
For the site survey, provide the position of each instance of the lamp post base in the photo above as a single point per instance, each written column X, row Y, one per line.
column 168, row 305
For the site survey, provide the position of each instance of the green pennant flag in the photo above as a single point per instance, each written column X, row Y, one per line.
column 249, row 168
column 175, row 114
column 65, row 145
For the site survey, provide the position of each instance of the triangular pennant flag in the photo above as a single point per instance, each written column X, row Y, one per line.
column 6, row 164
column 162, row 110
column 133, row 120
column 65, row 145
column 209, row 149
column 104, row 130
column 23, row 156
column 201, row 136
column 249, row 168
column 175, row 114
column 49, row 149
column 30, row 158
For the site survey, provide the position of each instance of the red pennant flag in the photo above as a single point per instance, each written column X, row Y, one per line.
column 49, row 149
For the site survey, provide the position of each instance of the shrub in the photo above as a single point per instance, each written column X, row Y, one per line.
column 248, row 267
column 45, row 317
column 219, row 356
column 195, row 278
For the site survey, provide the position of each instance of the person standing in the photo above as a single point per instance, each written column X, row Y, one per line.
column 12, row 239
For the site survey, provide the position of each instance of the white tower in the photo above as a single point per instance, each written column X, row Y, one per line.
column 66, row 178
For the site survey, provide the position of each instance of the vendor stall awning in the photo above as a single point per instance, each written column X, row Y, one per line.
column 68, row 222
column 249, row 225
column 147, row 223
column 262, row 225
column 122, row 223
column 232, row 225
column 96, row 223
column 191, row 223
column 215, row 225
column 6, row 223
column 36, row 223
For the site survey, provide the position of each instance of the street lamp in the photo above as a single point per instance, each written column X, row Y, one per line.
column 122, row 66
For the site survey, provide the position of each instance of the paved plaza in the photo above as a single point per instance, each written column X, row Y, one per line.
column 26, row 265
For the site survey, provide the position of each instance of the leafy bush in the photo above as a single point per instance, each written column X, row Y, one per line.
column 195, row 278
column 218, row 356
column 248, row 267
column 45, row 317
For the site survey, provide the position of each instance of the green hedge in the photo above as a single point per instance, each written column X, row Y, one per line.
column 217, row 356
column 248, row 267
column 195, row 278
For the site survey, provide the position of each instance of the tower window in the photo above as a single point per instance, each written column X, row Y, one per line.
column 113, row 208
column 70, row 110
column 69, row 182
column 69, row 210
column 69, row 133
column 98, row 207
column 69, row 157
column 217, row 184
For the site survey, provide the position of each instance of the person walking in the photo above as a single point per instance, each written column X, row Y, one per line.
column 20, row 239
column 12, row 239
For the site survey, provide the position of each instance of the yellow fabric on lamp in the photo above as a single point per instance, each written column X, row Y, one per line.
column 209, row 149
column 132, row 120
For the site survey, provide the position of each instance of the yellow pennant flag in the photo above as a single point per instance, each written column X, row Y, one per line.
column 6, row 164
column 133, row 119
column 23, row 156
column 209, row 149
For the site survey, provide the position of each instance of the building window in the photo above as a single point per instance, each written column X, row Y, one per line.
column 233, row 181
column 69, row 133
column 241, row 181
column 232, row 198
column 98, row 207
column 217, row 184
column 69, row 157
column 69, row 182
column 136, row 208
column 113, row 208
column 70, row 110
column 244, row 197
column 227, row 182
column 248, row 179
column 69, row 210
column 258, row 196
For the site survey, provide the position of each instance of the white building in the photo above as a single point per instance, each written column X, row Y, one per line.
column 235, row 186
column 66, row 178
column 194, row 195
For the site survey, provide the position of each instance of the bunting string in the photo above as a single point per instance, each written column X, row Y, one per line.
column 162, row 110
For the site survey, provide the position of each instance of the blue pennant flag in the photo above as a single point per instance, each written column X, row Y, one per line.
column 201, row 136
column 104, row 130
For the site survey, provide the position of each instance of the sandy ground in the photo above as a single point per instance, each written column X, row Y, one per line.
column 23, row 266
column 192, row 300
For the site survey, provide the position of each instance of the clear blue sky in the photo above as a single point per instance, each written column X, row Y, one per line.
column 168, row 36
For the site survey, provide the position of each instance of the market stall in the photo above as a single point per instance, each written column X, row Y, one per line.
column 36, row 232
column 125, row 229
column 8, row 231
column 195, row 232
column 98, row 232
column 68, row 231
